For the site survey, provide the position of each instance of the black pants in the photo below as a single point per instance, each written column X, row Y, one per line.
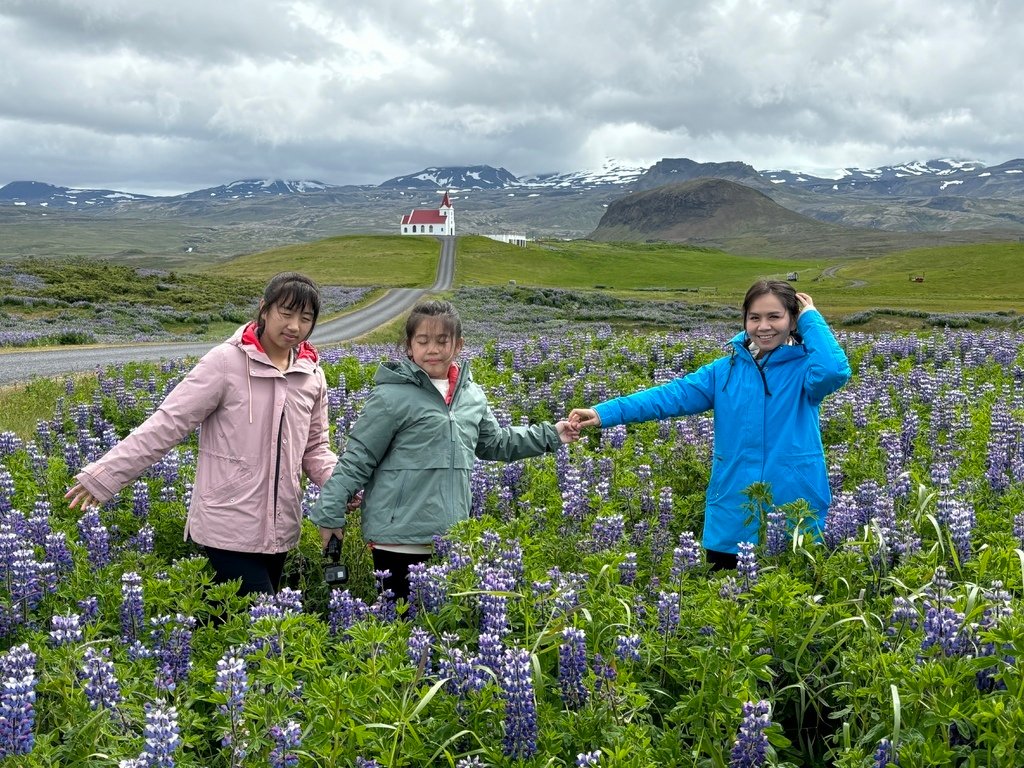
column 259, row 572
column 720, row 561
column 398, row 563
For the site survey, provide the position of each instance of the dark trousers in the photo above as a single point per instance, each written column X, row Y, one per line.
column 259, row 572
column 720, row 561
column 398, row 563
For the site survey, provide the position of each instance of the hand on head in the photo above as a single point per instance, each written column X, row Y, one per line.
column 806, row 302
column 584, row 417
column 80, row 497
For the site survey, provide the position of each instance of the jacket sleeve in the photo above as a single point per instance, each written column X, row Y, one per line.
column 497, row 443
column 193, row 399
column 693, row 393
column 367, row 444
column 318, row 460
column 828, row 369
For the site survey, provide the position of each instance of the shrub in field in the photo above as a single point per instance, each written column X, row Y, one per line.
column 573, row 620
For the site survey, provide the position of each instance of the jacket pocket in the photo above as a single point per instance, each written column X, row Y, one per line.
column 218, row 478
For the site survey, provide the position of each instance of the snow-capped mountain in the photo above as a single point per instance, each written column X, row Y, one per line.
column 611, row 173
column 250, row 188
column 39, row 194
column 934, row 178
column 453, row 177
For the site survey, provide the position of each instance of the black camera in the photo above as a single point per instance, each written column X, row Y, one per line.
column 335, row 572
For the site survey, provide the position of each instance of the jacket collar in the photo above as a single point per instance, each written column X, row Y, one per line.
column 739, row 344
column 245, row 338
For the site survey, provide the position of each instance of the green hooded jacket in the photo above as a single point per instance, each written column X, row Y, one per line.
column 413, row 455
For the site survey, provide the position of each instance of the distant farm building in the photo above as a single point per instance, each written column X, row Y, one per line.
column 426, row 221
column 519, row 240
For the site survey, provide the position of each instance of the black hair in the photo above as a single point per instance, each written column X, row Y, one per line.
column 780, row 289
column 444, row 311
column 291, row 291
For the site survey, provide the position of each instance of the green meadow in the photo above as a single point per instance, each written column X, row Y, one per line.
column 957, row 278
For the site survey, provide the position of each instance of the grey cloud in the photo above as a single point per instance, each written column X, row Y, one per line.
column 188, row 93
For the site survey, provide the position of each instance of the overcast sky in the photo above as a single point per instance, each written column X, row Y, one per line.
column 168, row 96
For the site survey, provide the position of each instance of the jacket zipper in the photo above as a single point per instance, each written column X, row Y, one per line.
column 277, row 468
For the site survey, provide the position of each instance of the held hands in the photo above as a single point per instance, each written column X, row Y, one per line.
column 805, row 301
column 584, row 417
column 567, row 433
column 326, row 533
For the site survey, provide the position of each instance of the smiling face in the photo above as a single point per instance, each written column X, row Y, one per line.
column 433, row 348
column 284, row 328
column 768, row 323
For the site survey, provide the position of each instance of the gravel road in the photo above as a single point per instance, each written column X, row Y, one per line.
column 20, row 366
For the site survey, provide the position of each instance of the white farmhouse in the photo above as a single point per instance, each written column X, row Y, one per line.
column 425, row 221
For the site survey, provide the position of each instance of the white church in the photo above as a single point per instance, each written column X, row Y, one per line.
column 426, row 221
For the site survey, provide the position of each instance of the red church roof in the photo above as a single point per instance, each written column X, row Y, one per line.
column 423, row 216
column 445, row 202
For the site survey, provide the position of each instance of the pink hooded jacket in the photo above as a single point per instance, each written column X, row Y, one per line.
column 261, row 429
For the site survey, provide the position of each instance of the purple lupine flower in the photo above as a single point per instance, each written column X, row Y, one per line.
column 37, row 528
column 58, row 552
column 132, row 618
column 686, row 556
column 458, row 668
column 90, row 608
column 469, row 762
column 161, row 736
column 140, row 499
column 96, row 538
column 730, row 589
column 751, row 747
column 233, row 682
column 607, row 532
column 384, row 607
column 65, row 629
column 17, row 701
column 101, row 686
column 944, row 627
column 904, row 614
column 343, row 611
column 746, row 564
column 172, row 649
column 6, row 491
column 572, row 668
column 776, row 535
column 428, row 589
column 362, row 762
column 520, row 706
column 421, row 647
column 286, row 738
column 585, row 759
column 1018, row 528
column 627, row 569
column 627, row 647
column 668, row 612
column 885, row 755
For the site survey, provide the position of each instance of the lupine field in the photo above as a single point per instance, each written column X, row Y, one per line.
column 572, row 621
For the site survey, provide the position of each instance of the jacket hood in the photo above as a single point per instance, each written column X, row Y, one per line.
column 246, row 337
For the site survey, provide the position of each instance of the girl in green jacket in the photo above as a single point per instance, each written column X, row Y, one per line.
column 414, row 445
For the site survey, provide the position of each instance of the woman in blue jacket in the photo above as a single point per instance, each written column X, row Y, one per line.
column 765, row 395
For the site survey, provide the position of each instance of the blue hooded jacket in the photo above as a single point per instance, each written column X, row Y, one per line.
column 766, row 424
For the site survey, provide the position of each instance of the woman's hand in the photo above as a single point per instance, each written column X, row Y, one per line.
column 355, row 502
column 326, row 533
column 567, row 433
column 584, row 417
column 806, row 302
column 80, row 497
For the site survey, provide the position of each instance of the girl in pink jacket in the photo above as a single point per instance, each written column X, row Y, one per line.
column 261, row 400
